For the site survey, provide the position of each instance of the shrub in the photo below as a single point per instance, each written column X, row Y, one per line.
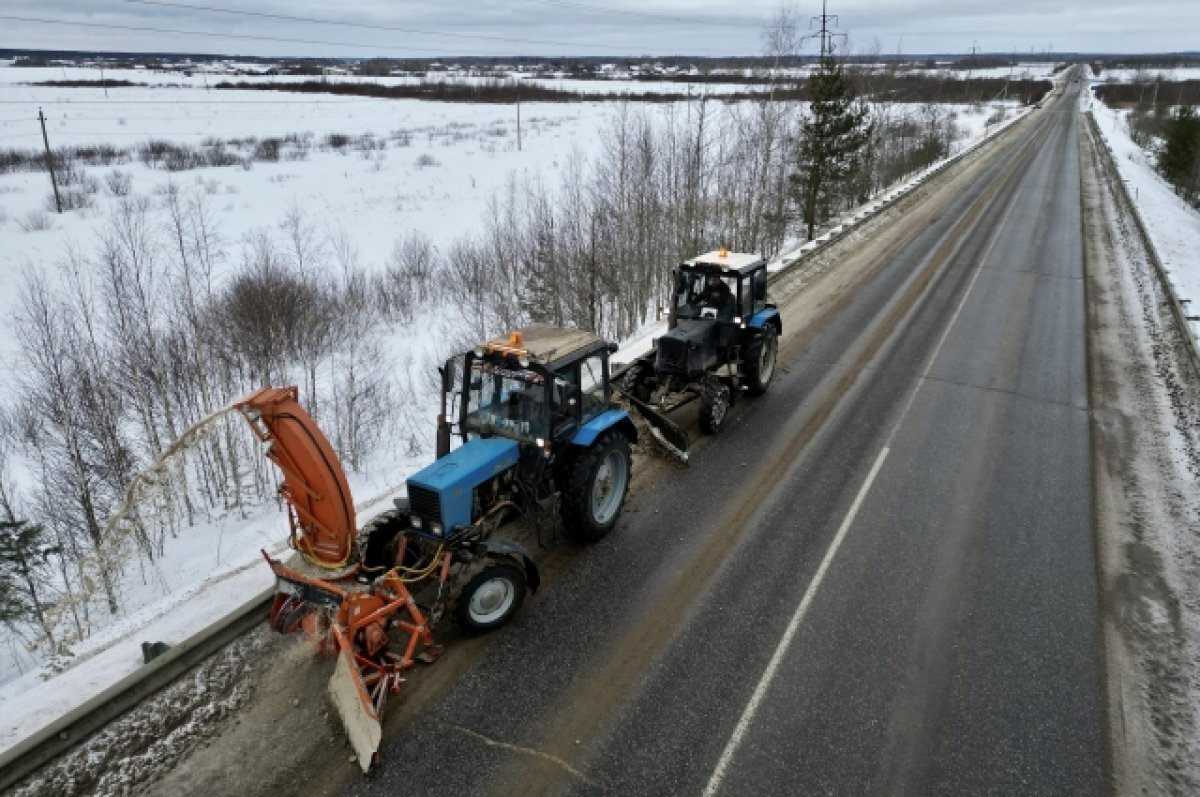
column 267, row 150
column 36, row 221
column 426, row 159
column 118, row 183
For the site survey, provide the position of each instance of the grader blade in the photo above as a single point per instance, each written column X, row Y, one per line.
column 356, row 709
column 668, row 433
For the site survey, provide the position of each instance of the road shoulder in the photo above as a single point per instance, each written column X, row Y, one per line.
column 1145, row 401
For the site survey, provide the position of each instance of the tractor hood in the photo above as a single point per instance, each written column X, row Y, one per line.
column 442, row 493
column 689, row 348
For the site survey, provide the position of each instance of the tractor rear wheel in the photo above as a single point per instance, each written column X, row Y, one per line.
column 491, row 593
column 596, row 487
column 714, row 406
column 760, row 361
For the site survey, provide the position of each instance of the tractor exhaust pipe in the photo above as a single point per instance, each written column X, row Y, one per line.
column 443, row 426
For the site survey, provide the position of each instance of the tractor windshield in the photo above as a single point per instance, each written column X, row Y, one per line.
column 507, row 400
column 700, row 294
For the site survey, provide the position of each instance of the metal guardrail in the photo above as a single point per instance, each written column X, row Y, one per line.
column 26, row 757
column 1172, row 298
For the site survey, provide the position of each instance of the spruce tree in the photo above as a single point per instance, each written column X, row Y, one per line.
column 1180, row 158
column 831, row 142
column 24, row 556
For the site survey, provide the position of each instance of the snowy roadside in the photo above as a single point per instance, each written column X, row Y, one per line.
column 1172, row 224
column 38, row 698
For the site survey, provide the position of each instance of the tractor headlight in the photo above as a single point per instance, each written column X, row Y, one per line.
column 436, row 528
column 416, row 521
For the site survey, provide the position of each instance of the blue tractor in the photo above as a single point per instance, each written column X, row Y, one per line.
column 722, row 339
column 536, row 422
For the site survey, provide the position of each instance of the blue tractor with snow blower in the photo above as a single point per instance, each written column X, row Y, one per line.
column 537, row 425
column 536, row 422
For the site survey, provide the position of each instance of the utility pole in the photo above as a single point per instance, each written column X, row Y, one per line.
column 50, row 161
column 518, row 118
column 824, row 33
column 971, row 67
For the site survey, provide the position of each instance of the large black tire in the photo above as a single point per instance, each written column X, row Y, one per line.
column 379, row 540
column 490, row 595
column 634, row 382
column 596, row 488
column 760, row 361
column 714, row 406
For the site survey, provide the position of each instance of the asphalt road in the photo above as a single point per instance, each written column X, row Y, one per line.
column 879, row 578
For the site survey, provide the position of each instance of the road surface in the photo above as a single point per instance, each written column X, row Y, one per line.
column 879, row 578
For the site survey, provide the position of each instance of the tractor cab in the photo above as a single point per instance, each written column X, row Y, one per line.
column 541, row 383
column 722, row 286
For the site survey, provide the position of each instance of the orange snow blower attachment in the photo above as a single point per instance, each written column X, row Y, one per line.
column 345, row 619
column 320, row 510
column 337, row 614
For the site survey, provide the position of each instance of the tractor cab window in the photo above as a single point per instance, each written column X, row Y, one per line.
column 579, row 393
column 506, row 400
column 591, row 385
column 760, row 288
column 702, row 294
column 565, row 400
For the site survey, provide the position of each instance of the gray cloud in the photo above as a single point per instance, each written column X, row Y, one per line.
column 584, row 27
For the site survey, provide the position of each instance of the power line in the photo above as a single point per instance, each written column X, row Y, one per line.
column 361, row 25
column 212, row 34
column 411, row 52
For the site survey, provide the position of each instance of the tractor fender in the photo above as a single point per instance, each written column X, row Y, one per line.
column 609, row 419
column 514, row 550
column 768, row 315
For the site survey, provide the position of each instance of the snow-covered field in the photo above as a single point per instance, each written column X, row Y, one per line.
column 440, row 164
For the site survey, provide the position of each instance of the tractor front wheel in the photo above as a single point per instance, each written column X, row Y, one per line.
column 760, row 361
column 596, row 488
column 490, row 596
column 714, row 406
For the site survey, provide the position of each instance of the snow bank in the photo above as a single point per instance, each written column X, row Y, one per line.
column 1173, row 225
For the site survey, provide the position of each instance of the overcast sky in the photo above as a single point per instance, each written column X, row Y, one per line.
column 436, row 28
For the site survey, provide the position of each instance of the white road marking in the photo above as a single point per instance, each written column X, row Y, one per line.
column 714, row 782
column 735, row 741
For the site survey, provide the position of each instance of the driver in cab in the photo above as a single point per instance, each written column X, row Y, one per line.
column 718, row 297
